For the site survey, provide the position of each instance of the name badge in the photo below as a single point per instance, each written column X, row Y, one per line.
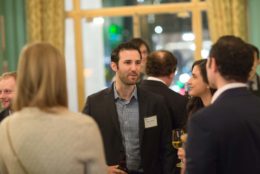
column 150, row 121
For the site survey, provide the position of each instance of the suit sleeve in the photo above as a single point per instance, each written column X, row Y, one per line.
column 167, row 155
column 183, row 114
column 200, row 149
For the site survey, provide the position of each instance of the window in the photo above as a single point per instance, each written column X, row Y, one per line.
column 179, row 26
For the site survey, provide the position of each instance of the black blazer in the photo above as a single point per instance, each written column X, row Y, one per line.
column 224, row 138
column 176, row 103
column 155, row 143
column 4, row 113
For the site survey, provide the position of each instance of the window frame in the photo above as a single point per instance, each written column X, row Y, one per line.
column 195, row 7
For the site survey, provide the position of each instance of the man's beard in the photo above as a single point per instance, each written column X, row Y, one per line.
column 127, row 81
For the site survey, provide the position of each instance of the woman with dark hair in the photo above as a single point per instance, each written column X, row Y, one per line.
column 200, row 93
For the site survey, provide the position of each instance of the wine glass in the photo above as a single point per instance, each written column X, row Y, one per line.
column 176, row 141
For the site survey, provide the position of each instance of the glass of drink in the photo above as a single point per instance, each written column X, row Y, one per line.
column 177, row 142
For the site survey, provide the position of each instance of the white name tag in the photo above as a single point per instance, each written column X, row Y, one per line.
column 150, row 121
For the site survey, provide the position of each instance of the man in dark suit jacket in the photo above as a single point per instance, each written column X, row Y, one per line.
column 160, row 69
column 4, row 113
column 134, row 124
column 224, row 138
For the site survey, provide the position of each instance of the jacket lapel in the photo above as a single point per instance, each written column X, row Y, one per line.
column 142, row 113
column 111, row 109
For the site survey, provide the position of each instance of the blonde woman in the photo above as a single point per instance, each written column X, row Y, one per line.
column 43, row 136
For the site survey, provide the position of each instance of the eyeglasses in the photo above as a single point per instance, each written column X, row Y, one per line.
column 6, row 91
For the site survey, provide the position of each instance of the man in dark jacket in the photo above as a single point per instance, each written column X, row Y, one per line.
column 225, row 136
column 134, row 124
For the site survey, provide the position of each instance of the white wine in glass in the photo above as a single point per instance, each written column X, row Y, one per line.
column 176, row 141
column 177, row 144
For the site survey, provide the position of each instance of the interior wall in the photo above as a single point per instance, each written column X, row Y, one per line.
column 2, row 37
column 254, row 24
column 14, row 25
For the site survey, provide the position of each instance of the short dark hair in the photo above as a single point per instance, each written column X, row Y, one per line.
column 123, row 46
column 161, row 63
column 233, row 57
column 138, row 42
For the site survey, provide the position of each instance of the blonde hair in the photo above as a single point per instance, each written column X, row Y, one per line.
column 8, row 75
column 41, row 80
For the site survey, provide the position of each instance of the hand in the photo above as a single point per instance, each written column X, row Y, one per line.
column 115, row 170
column 181, row 154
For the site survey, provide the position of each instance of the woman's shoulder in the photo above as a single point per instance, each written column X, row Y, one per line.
column 80, row 118
column 60, row 115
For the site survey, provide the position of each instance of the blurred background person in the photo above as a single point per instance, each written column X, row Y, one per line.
column 7, row 93
column 43, row 136
column 254, row 79
column 145, row 50
column 1, row 105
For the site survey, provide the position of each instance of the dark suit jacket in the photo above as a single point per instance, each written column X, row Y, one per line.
column 155, row 143
column 224, row 138
column 4, row 113
column 175, row 102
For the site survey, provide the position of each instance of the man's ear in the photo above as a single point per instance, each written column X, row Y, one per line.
column 113, row 66
column 171, row 76
column 211, row 63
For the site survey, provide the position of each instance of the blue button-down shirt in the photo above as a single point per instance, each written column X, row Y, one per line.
column 128, row 115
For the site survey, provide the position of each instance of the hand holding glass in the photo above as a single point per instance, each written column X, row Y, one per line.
column 176, row 141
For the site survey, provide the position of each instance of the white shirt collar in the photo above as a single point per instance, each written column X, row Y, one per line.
column 155, row 79
column 226, row 87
